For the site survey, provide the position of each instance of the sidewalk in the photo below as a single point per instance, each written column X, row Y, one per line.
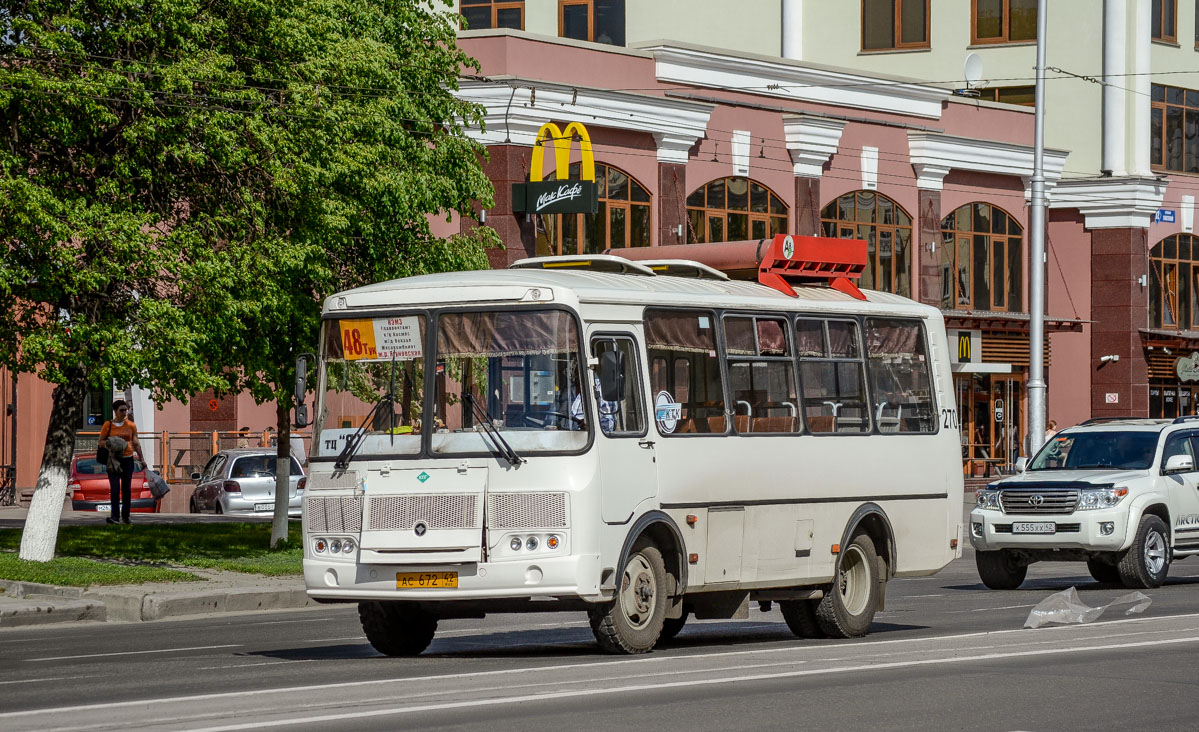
column 28, row 603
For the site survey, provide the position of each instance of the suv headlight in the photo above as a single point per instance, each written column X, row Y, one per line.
column 1100, row 498
column 987, row 499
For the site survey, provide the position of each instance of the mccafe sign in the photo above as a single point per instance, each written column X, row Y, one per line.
column 540, row 196
column 1187, row 367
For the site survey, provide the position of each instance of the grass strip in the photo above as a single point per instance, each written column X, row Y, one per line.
column 80, row 572
column 236, row 547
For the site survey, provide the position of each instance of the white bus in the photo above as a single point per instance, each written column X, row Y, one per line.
column 643, row 443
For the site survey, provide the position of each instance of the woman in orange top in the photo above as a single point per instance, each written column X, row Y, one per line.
column 121, row 486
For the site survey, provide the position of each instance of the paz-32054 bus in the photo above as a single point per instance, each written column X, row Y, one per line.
column 641, row 441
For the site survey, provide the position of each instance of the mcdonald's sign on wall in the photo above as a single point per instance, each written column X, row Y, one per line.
column 965, row 346
column 560, row 195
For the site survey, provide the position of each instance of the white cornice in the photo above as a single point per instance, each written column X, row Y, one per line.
column 934, row 154
column 811, row 141
column 514, row 113
column 791, row 80
column 1112, row 203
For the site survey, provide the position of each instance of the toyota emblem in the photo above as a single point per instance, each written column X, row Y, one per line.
column 1036, row 499
column 420, row 528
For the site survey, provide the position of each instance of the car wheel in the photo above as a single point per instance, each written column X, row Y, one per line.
column 1145, row 564
column 1000, row 570
column 848, row 607
column 1103, row 571
column 216, row 508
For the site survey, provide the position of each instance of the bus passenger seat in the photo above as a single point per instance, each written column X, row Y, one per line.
column 822, row 423
column 740, row 422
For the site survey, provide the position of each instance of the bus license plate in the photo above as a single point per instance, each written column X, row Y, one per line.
column 1034, row 527
column 421, row 580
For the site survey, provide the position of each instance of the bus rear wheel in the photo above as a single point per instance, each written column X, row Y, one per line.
column 397, row 628
column 848, row 608
column 632, row 622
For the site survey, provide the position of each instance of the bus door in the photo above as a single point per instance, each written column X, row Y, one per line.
column 628, row 474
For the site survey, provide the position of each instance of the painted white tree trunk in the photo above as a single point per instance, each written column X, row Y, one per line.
column 282, row 476
column 41, row 525
column 45, row 511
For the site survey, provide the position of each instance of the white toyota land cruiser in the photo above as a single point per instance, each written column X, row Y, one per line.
column 1121, row 495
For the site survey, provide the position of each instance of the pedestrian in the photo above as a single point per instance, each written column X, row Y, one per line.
column 269, row 439
column 120, row 484
column 1050, row 430
column 243, row 438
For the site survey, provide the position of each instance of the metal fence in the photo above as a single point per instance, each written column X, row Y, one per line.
column 176, row 455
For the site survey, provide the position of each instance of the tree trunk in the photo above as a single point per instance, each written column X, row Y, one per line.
column 41, row 525
column 282, row 474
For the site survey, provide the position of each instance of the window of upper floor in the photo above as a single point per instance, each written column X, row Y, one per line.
column 482, row 14
column 1003, row 21
column 1022, row 95
column 982, row 260
column 734, row 209
column 601, row 21
column 1174, row 129
column 1163, row 24
column 893, row 24
column 1173, row 283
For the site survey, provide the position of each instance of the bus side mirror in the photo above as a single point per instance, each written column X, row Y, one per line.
column 301, row 389
column 611, row 373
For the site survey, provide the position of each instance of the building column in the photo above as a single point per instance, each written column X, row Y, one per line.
column 674, row 150
column 811, row 143
column 1119, row 309
column 507, row 164
column 792, row 45
column 925, row 248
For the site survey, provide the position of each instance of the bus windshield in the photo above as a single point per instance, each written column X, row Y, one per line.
column 521, row 368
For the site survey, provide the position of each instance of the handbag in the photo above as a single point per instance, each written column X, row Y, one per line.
column 102, row 455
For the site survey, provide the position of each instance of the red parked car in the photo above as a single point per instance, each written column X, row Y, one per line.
column 89, row 488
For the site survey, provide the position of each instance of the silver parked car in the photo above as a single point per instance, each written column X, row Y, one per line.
column 243, row 481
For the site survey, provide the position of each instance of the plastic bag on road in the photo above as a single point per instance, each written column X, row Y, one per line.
column 1064, row 607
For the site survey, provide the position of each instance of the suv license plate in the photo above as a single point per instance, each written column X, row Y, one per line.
column 1034, row 527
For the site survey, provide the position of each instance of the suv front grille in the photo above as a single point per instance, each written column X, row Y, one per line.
column 1034, row 500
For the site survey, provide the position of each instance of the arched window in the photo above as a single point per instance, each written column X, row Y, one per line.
column 734, row 209
column 623, row 219
column 887, row 229
column 982, row 257
column 481, row 14
column 1173, row 275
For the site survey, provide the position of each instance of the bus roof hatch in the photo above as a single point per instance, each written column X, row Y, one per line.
column 790, row 260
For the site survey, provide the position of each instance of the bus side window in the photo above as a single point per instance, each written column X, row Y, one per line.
column 686, row 340
column 626, row 417
column 900, row 383
column 761, row 375
column 832, row 376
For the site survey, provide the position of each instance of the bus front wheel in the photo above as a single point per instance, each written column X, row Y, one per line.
column 632, row 622
column 848, row 608
column 397, row 628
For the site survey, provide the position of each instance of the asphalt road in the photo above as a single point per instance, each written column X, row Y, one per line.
column 945, row 654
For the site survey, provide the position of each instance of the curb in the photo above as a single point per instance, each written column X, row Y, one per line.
column 29, row 603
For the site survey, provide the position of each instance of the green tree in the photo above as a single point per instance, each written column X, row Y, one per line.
column 183, row 180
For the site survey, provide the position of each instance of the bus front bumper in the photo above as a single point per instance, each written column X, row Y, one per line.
column 575, row 576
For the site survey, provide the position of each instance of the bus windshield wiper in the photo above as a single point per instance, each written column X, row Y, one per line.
column 354, row 441
column 501, row 445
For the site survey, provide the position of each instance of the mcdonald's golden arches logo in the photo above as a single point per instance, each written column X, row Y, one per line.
column 562, row 195
column 964, row 347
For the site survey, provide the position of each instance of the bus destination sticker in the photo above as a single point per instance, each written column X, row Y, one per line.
column 382, row 339
column 667, row 412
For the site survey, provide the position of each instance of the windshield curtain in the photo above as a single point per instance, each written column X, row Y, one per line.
column 1105, row 450
column 375, row 367
column 522, row 369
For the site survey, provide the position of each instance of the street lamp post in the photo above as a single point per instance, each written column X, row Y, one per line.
column 1036, row 295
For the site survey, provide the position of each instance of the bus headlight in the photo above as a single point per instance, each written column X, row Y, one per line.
column 319, row 546
column 516, row 543
column 987, row 499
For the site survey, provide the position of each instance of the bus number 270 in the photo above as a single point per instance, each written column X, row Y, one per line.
column 949, row 419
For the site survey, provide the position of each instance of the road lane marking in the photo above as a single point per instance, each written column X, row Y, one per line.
column 248, row 665
column 129, row 653
column 543, row 696
column 567, row 666
column 54, row 678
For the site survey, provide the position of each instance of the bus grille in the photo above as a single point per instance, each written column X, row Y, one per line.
column 450, row 511
column 1033, row 500
column 343, row 513
column 342, row 479
column 526, row 510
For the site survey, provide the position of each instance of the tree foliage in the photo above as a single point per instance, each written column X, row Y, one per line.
column 181, row 181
